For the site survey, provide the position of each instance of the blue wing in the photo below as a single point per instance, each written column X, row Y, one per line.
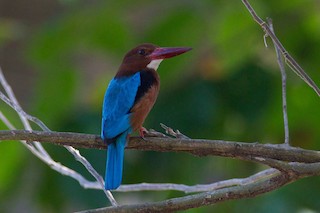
column 118, row 100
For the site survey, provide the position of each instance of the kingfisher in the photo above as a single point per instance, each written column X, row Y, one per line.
column 128, row 100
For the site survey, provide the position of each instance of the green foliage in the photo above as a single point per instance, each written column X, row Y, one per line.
column 228, row 87
column 12, row 161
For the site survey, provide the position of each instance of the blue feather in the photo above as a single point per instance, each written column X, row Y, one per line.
column 114, row 164
column 118, row 101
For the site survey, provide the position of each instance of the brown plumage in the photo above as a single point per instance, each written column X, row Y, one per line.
column 128, row 100
column 136, row 60
column 143, row 106
column 145, row 59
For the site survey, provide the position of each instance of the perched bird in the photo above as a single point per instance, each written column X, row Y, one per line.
column 129, row 98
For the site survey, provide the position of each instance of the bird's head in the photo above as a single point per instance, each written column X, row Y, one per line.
column 147, row 56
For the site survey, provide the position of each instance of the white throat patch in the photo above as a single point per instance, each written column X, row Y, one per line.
column 154, row 64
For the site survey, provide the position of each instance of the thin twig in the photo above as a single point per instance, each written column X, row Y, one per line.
column 43, row 155
column 288, row 58
column 53, row 165
column 6, row 121
column 20, row 111
column 269, row 181
column 170, row 131
column 284, row 85
column 207, row 198
column 15, row 104
column 200, row 187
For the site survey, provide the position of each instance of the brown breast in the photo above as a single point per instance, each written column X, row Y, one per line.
column 143, row 106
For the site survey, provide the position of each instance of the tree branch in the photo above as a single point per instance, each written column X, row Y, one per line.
column 199, row 187
column 199, row 147
column 290, row 61
column 284, row 86
column 248, row 190
column 37, row 149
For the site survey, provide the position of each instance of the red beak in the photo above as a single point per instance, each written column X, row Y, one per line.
column 168, row 52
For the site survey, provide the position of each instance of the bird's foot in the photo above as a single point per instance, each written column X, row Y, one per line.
column 142, row 131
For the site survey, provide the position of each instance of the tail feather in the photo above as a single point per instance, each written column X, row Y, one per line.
column 114, row 164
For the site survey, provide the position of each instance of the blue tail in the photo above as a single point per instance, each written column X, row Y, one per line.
column 114, row 165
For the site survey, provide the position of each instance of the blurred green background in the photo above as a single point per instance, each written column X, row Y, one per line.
column 60, row 55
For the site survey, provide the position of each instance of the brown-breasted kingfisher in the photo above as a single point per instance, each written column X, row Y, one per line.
column 128, row 100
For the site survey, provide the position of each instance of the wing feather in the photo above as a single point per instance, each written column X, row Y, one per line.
column 118, row 100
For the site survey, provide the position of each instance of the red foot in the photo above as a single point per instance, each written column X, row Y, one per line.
column 142, row 130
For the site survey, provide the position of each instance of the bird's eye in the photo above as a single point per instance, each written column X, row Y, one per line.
column 142, row 52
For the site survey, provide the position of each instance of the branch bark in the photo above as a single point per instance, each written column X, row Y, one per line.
column 198, row 147
column 290, row 61
column 284, row 87
column 290, row 163
column 252, row 189
column 202, row 199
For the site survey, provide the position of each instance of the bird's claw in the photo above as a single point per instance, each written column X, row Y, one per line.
column 142, row 132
